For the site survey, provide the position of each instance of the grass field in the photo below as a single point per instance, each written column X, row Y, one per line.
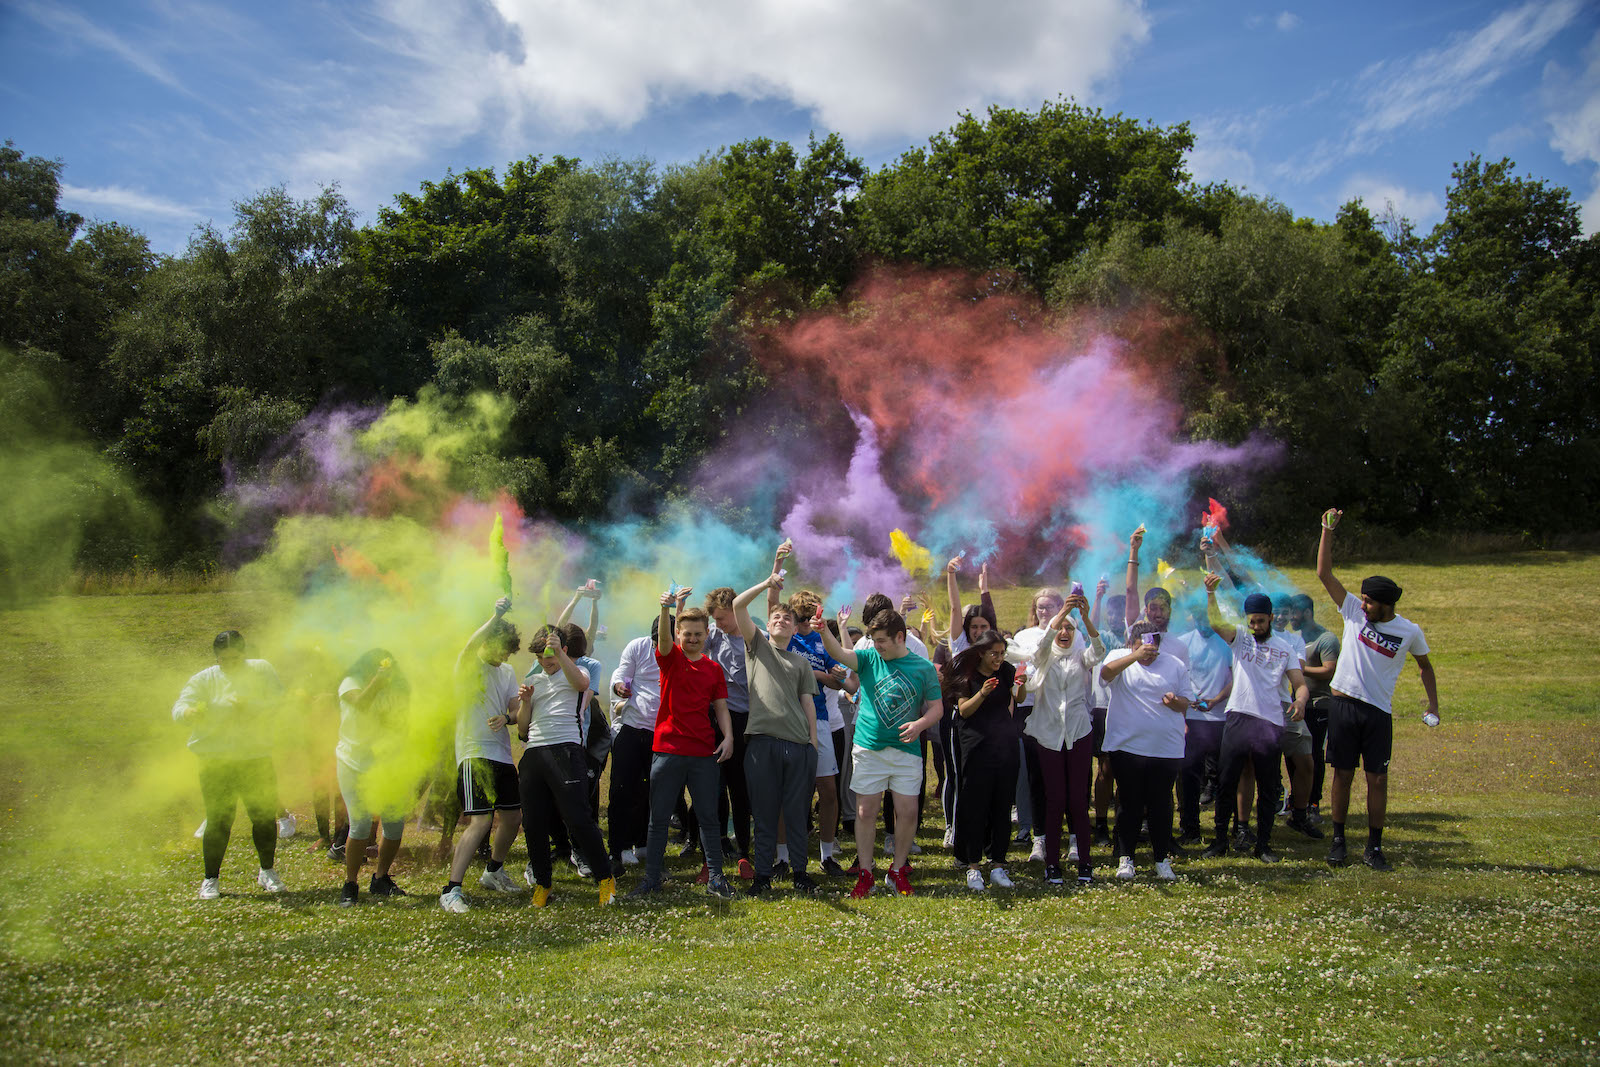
column 1482, row 946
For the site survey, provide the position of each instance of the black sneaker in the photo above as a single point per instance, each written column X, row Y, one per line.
column 1303, row 825
column 803, row 884
column 1102, row 837
column 759, row 886
column 1244, row 839
column 1373, row 858
column 780, row 869
column 831, row 868
column 1085, row 874
column 349, row 895
column 1266, row 855
column 1053, row 875
column 1337, row 853
column 645, row 888
column 1175, row 852
column 336, row 853
column 1208, row 796
column 384, row 887
column 1219, row 847
column 688, row 848
column 718, row 886
column 1190, row 837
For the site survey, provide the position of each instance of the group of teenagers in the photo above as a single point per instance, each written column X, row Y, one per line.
column 755, row 723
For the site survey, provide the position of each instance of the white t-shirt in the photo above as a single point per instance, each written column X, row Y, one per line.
column 236, row 714
column 1371, row 654
column 1297, row 645
column 1136, row 720
column 360, row 729
column 555, row 715
column 639, row 670
column 1210, row 667
column 1258, row 671
column 1099, row 691
column 474, row 740
column 913, row 644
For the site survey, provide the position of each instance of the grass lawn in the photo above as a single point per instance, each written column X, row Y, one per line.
column 1482, row 946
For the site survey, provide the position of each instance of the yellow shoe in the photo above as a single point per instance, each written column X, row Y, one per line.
column 541, row 896
column 608, row 891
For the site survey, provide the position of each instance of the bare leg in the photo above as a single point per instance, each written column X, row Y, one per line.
column 355, row 854
column 1299, row 781
column 905, row 815
column 866, row 828
column 505, row 834
column 1377, row 799
column 828, row 808
column 386, row 854
column 1340, row 793
column 467, row 845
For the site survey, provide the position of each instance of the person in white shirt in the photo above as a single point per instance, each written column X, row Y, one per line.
column 636, row 691
column 1253, row 730
column 373, row 697
column 231, row 709
column 1144, row 737
column 1059, row 733
column 1361, row 714
column 553, row 776
column 486, row 776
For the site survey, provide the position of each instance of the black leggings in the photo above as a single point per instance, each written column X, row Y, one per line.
column 1248, row 739
column 951, row 778
column 555, row 779
column 1144, row 791
column 223, row 784
column 629, row 798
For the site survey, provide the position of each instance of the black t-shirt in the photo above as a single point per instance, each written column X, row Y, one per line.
column 993, row 721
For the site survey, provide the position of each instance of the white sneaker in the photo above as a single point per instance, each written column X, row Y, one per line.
column 287, row 824
column 201, row 832
column 499, row 881
column 1072, row 849
column 974, row 879
column 268, row 879
column 452, row 901
column 1165, row 872
column 630, row 857
column 949, row 837
column 1037, row 855
column 1125, row 868
column 583, row 869
column 1000, row 879
column 527, row 875
column 210, row 888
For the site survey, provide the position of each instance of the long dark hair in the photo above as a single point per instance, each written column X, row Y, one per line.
column 367, row 665
column 961, row 676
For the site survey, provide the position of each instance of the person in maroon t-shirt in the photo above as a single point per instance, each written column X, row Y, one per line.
column 686, row 750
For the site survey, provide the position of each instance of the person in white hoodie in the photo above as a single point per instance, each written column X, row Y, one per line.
column 230, row 709
column 1059, row 733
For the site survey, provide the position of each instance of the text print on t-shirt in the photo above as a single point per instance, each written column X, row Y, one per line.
column 1266, row 656
column 1387, row 644
column 895, row 699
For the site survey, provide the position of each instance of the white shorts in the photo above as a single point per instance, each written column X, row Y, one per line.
column 893, row 769
column 827, row 763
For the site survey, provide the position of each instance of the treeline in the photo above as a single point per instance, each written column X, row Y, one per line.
column 1439, row 382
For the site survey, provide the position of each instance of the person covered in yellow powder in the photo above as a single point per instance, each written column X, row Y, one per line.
column 373, row 697
column 231, row 710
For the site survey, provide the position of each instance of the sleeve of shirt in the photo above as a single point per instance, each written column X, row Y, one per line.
column 1419, row 647
column 930, row 683
column 1351, row 609
column 193, row 695
column 720, row 690
column 623, row 675
column 808, row 684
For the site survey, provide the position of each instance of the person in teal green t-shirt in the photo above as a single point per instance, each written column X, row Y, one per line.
column 899, row 699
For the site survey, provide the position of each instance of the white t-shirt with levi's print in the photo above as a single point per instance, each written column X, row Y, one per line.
column 1371, row 654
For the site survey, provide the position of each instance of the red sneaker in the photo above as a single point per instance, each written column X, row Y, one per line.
column 900, row 878
column 746, row 870
column 864, row 886
column 704, row 876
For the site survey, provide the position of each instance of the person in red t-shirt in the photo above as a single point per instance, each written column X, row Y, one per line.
column 686, row 750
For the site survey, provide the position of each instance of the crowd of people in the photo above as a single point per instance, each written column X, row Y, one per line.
column 812, row 725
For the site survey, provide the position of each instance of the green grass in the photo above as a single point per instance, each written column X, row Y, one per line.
column 1483, row 946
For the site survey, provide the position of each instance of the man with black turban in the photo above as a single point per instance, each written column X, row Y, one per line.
column 1360, row 713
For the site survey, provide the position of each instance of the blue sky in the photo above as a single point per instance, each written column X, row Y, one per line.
column 166, row 112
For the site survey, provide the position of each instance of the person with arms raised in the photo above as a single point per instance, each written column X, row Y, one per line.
column 1361, row 712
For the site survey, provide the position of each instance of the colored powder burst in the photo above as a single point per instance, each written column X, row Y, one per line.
column 499, row 558
column 916, row 560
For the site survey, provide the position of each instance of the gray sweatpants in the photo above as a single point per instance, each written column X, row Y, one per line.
column 782, row 776
column 668, row 775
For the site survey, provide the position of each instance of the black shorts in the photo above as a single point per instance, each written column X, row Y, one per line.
column 485, row 785
column 1359, row 732
column 1097, row 729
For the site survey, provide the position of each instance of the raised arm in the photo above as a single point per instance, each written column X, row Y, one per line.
column 664, row 628
column 985, row 601
column 465, row 656
column 1100, row 589
column 1130, row 609
column 777, row 565
column 742, row 602
column 1225, row 629
column 1126, row 657
column 831, row 645
column 1335, row 588
column 575, row 675
column 953, row 599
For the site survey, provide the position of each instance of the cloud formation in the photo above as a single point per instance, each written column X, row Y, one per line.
column 1574, row 102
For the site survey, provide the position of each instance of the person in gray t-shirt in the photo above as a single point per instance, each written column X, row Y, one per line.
column 1322, row 659
column 781, row 738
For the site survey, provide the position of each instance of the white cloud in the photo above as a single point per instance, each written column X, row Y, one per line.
column 1286, row 21
column 1380, row 194
column 1573, row 100
column 1412, row 91
column 883, row 68
column 117, row 198
column 73, row 26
